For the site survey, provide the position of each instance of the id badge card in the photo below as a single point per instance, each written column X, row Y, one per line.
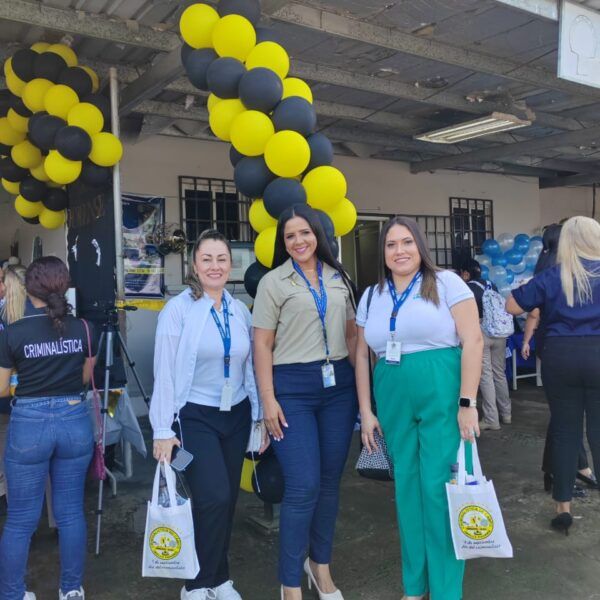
column 393, row 352
column 226, row 397
column 328, row 375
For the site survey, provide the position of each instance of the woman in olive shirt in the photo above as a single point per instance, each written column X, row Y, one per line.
column 304, row 344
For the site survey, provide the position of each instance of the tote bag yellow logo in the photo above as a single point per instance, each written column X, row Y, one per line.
column 475, row 522
column 164, row 543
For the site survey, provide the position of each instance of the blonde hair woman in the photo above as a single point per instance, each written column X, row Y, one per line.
column 568, row 296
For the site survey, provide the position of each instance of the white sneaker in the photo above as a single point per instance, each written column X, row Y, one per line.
column 29, row 596
column 72, row 595
column 199, row 594
column 226, row 591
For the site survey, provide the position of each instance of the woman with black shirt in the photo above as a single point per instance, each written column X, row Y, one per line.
column 50, row 430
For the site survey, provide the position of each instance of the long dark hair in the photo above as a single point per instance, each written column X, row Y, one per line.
column 429, row 289
column 323, row 252
column 47, row 278
column 549, row 254
column 192, row 278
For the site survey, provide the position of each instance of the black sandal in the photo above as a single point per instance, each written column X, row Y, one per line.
column 590, row 481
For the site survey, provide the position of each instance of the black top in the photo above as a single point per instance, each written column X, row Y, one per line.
column 47, row 363
column 475, row 287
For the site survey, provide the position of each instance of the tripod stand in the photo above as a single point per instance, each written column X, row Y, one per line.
column 110, row 335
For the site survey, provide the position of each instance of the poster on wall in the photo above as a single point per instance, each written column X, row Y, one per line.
column 144, row 265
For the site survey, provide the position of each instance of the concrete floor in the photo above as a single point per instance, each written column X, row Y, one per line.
column 366, row 565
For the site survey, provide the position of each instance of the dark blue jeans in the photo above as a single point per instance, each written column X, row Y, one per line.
column 312, row 455
column 48, row 436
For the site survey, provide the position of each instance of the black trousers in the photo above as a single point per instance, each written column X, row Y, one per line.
column 218, row 441
column 582, row 460
column 571, row 375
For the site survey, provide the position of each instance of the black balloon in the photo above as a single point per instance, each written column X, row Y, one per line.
column 33, row 190
column 185, row 52
column 10, row 171
column 95, row 175
column 321, row 151
column 281, row 194
column 49, row 65
column 43, row 130
column 254, row 273
column 327, row 223
column 297, row 114
column 23, row 64
column 56, row 199
column 234, row 156
column 268, row 482
column 5, row 150
column 223, row 77
column 266, row 34
column 261, row 89
column 249, row 9
column 101, row 103
column 196, row 66
column 32, row 220
column 78, row 80
column 252, row 176
column 73, row 142
column 20, row 108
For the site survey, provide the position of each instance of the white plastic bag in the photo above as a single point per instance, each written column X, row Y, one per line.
column 169, row 548
column 475, row 516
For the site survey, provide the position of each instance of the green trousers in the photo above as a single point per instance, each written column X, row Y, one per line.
column 417, row 406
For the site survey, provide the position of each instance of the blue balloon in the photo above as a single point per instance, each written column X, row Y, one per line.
column 499, row 261
column 491, row 248
column 513, row 257
column 510, row 276
column 521, row 246
column 537, row 238
column 530, row 262
column 485, row 272
column 521, row 237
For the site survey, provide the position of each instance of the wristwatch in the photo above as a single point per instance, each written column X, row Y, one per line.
column 467, row 403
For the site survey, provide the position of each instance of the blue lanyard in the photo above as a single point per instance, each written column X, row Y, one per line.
column 225, row 335
column 399, row 301
column 320, row 299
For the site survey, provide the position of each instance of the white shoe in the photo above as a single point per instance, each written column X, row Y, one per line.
column 485, row 426
column 199, row 594
column 29, row 596
column 72, row 595
column 226, row 591
column 337, row 595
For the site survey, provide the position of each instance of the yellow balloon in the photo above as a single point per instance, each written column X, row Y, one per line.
column 28, row 209
column 34, row 92
column 250, row 132
column 40, row 47
column 343, row 215
column 26, row 155
column 12, row 187
column 107, row 149
column 247, row 475
column 287, row 154
column 87, row 116
column 39, row 173
column 325, row 186
column 196, row 25
column 264, row 246
column 93, row 76
column 259, row 218
column 292, row 86
column 59, row 100
column 8, row 135
column 67, row 53
column 270, row 55
column 17, row 121
column 13, row 83
column 234, row 36
column 52, row 219
column 212, row 101
column 222, row 116
column 60, row 169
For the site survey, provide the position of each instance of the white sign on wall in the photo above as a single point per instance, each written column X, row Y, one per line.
column 579, row 44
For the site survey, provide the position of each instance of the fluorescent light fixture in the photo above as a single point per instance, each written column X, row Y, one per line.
column 494, row 123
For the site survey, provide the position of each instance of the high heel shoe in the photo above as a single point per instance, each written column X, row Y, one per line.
column 337, row 595
column 562, row 522
column 591, row 481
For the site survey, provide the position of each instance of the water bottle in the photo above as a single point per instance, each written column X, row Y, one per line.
column 14, row 381
column 163, row 495
column 453, row 474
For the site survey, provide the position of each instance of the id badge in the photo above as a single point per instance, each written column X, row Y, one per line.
column 328, row 375
column 393, row 352
column 226, row 397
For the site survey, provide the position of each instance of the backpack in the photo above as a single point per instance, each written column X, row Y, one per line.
column 496, row 321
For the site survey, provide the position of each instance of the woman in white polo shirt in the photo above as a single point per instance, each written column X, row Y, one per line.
column 425, row 389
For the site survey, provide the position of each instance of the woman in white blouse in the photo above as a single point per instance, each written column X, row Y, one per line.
column 205, row 399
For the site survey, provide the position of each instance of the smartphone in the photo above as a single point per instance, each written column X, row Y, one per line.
column 180, row 459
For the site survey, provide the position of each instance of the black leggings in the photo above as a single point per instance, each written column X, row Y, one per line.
column 571, row 375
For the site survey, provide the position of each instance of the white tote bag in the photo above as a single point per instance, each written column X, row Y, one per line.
column 169, row 549
column 475, row 516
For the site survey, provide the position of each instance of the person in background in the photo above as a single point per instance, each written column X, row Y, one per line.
column 496, row 404
column 568, row 295
column 304, row 351
column 203, row 376
column 50, row 351
column 425, row 388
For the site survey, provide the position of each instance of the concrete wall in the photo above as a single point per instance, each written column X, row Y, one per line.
column 560, row 203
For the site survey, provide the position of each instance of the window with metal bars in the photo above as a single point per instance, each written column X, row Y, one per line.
column 472, row 222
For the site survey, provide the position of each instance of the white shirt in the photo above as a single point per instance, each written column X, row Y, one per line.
column 420, row 325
